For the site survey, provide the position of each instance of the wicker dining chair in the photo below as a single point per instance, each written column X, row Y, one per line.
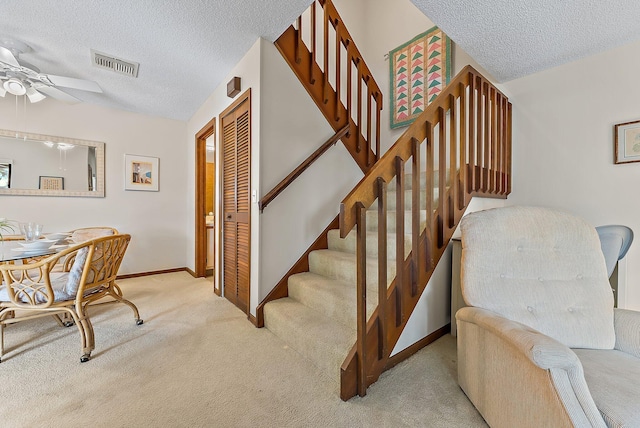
column 37, row 291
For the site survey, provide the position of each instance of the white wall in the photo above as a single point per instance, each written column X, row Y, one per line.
column 389, row 24
column 248, row 69
column 154, row 219
column 292, row 128
column 563, row 122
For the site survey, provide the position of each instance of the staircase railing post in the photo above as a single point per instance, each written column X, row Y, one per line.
column 361, row 278
column 382, row 267
column 399, row 173
column 415, row 213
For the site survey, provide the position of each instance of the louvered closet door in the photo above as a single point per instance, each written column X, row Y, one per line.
column 236, row 143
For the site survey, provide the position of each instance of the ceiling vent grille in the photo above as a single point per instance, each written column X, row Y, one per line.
column 118, row 65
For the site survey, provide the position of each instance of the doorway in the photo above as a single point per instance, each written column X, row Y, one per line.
column 206, row 195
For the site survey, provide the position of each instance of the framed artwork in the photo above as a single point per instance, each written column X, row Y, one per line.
column 141, row 173
column 627, row 142
column 5, row 175
column 419, row 70
column 47, row 182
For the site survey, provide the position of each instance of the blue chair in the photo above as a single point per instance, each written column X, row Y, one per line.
column 615, row 241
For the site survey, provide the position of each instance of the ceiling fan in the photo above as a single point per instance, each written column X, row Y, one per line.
column 18, row 77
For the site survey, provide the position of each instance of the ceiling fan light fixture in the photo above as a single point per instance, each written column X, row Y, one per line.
column 34, row 96
column 15, row 87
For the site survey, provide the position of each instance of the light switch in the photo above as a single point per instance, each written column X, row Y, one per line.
column 254, row 196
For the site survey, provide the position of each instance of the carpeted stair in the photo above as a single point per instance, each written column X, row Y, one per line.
column 318, row 319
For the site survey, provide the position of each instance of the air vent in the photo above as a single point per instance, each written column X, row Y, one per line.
column 118, row 65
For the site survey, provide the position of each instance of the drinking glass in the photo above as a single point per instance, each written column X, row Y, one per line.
column 31, row 231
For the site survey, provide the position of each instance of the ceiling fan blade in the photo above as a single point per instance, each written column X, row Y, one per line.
column 7, row 57
column 56, row 93
column 73, row 83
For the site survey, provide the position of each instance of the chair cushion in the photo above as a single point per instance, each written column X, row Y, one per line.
column 83, row 235
column 613, row 378
column 65, row 285
column 542, row 268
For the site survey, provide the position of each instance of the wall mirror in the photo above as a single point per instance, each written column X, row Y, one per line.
column 45, row 165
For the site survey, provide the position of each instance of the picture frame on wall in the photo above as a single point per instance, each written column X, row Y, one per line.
column 141, row 173
column 627, row 142
column 47, row 182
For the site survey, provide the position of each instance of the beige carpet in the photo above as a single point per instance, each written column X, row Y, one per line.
column 198, row 362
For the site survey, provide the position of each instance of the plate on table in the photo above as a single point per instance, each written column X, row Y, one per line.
column 40, row 244
column 60, row 237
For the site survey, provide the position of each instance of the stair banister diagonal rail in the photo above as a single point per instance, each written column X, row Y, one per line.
column 463, row 141
column 322, row 53
column 280, row 187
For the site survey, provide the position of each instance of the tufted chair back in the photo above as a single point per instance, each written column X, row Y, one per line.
column 542, row 268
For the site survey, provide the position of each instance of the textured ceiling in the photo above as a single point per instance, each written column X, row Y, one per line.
column 514, row 38
column 184, row 47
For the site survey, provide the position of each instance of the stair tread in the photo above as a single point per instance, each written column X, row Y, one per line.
column 342, row 266
column 333, row 298
column 349, row 243
column 322, row 340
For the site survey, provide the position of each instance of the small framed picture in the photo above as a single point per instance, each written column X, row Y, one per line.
column 627, row 142
column 51, row 183
column 141, row 173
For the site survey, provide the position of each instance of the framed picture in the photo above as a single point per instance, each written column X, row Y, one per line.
column 627, row 142
column 51, row 183
column 5, row 175
column 141, row 173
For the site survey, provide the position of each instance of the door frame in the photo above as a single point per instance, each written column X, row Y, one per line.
column 245, row 96
column 200, row 224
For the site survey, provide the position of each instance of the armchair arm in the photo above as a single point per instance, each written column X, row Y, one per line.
column 542, row 378
column 540, row 349
column 627, row 327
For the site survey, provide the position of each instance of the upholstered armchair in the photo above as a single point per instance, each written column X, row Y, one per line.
column 540, row 344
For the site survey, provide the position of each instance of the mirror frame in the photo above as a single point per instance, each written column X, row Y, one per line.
column 99, row 146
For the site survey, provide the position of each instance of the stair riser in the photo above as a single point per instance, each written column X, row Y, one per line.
column 408, row 180
column 345, row 270
column 408, row 201
column 372, row 221
column 328, row 357
column 348, row 244
column 340, row 307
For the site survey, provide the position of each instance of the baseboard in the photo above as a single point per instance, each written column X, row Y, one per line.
column 253, row 320
column 155, row 272
column 407, row 352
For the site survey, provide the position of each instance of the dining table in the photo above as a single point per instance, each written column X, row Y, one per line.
column 11, row 251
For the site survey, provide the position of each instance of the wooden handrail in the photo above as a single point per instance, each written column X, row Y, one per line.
column 462, row 140
column 337, row 78
column 273, row 193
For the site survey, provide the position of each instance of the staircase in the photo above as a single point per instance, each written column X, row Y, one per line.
column 345, row 303
column 318, row 318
